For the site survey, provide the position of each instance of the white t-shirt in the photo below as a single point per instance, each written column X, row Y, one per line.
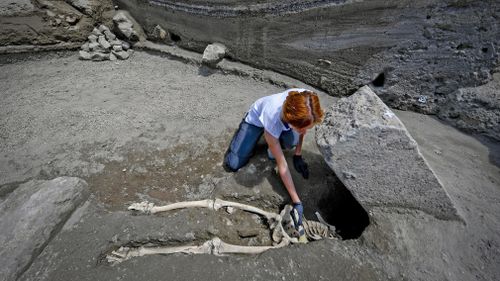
column 266, row 113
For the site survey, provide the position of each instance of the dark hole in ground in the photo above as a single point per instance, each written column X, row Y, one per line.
column 339, row 208
column 463, row 46
column 379, row 80
column 174, row 37
column 485, row 50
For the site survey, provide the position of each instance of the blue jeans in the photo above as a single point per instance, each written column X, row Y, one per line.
column 244, row 141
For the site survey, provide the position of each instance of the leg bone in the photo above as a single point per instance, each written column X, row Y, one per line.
column 125, row 253
column 214, row 246
column 149, row 208
column 216, row 204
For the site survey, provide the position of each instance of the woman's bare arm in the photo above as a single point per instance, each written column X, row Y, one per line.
column 286, row 177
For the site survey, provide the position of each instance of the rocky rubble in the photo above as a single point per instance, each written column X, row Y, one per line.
column 104, row 45
column 48, row 24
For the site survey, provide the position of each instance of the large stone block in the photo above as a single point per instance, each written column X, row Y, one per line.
column 376, row 158
column 30, row 216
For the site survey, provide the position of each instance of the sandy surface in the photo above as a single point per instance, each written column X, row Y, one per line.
column 155, row 129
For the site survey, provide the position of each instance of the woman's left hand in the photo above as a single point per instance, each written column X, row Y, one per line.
column 301, row 166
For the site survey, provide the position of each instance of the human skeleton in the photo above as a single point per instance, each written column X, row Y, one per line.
column 281, row 225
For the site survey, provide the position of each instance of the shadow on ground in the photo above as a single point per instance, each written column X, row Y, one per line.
column 323, row 192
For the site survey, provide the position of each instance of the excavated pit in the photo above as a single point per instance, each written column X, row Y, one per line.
column 341, row 209
column 192, row 171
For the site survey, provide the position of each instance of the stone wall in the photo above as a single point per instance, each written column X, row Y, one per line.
column 417, row 54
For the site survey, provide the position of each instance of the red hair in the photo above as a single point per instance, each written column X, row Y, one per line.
column 302, row 109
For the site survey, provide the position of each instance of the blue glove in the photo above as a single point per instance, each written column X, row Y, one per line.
column 297, row 213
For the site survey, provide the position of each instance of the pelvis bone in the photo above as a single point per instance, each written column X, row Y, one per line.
column 281, row 225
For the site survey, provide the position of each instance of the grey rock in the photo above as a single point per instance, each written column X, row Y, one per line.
column 103, row 28
column 85, row 47
column 71, row 19
column 214, row 53
column 30, row 216
column 324, row 62
column 104, row 43
column 376, row 158
column 159, row 34
column 115, row 42
column 85, row 55
column 99, row 56
column 112, row 57
column 94, row 46
column 92, row 38
column 117, row 48
column 96, row 32
column 482, row 107
column 50, row 13
column 125, row 45
column 121, row 55
column 126, row 27
column 110, row 36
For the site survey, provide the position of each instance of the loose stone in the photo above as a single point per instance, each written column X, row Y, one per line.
column 96, row 32
column 105, row 44
column 109, row 35
column 125, row 45
column 103, row 28
column 92, row 38
column 85, row 47
column 97, row 56
column 121, row 55
column 71, row 20
column 214, row 53
column 85, row 55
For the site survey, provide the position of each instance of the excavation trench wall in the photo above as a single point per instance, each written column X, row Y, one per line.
column 417, row 54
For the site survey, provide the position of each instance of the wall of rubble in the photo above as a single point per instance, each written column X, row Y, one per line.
column 50, row 23
column 417, row 54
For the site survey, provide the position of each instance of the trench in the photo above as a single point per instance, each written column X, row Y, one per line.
column 176, row 174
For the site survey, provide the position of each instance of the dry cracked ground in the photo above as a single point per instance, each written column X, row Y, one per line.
column 156, row 129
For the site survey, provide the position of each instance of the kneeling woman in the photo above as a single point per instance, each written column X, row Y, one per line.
column 284, row 118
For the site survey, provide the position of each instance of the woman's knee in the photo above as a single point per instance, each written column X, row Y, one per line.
column 233, row 162
column 242, row 146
